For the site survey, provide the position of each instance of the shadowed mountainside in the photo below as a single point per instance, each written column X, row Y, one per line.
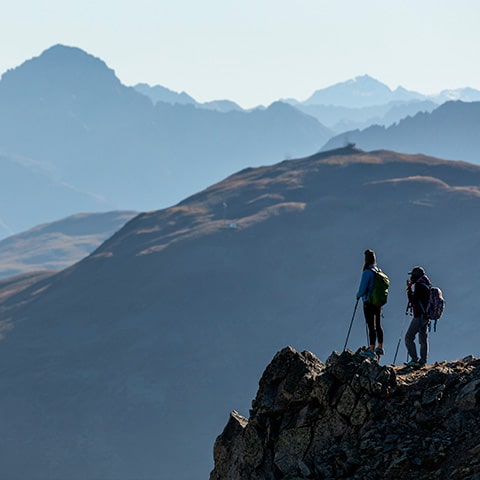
column 16, row 284
column 137, row 353
column 57, row 245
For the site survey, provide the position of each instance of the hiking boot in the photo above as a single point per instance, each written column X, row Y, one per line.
column 379, row 351
column 368, row 354
column 413, row 364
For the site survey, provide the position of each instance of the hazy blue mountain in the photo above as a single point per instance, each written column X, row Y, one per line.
column 341, row 119
column 32, row 192
column 450, row 131
column 399, row 111
column 464, row 94
column 221, row 105
column 67, row 109
column 365, row 91
column 364, row 101
column 59, row 244
column 127, row 364
column 362, row 91
column 157, row 93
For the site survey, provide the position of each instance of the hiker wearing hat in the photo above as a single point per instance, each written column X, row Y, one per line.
column 371, row 311
column 418, row 293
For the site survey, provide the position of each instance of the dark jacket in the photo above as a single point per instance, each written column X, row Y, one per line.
column 419, row 296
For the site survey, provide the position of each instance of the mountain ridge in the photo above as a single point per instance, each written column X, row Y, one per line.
column 448, row 132
column 357, row 93
column 61, row 70
column 355, row 103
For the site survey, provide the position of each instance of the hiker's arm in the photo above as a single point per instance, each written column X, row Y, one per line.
column 364, row 283
column 410, row 293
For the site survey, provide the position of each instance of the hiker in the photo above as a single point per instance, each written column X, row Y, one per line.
column 418, row 293
column 372, row 312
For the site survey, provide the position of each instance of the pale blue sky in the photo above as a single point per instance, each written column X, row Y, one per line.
column 256, row 51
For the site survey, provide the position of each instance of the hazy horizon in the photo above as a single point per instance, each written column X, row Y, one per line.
column 268, row 50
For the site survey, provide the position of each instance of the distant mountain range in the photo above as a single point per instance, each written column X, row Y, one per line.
column 450, row 131
column 362, row 91
column 67, row 113
column 57, row 245
column 165, row 95
column 340, row 119
column 355, row 103
column 365, row 91
column 365, row 101
column 81, row 141
column 127, row 363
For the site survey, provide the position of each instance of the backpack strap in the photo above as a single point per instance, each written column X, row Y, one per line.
column 429, row 286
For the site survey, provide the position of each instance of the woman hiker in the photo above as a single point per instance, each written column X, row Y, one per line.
column 372, row 312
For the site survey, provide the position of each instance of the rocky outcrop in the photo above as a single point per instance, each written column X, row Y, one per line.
column 352, row 418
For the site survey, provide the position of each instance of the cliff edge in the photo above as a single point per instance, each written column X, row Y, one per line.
column 352, row 418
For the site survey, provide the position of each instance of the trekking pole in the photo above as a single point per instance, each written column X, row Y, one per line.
column 351, row 323
column 401, row 334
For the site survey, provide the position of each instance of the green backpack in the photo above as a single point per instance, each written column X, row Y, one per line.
column 380, row 288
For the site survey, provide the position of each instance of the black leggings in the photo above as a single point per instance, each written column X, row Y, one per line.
column 372, row 317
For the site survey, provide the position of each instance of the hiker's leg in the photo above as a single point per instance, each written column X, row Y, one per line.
column 378, row 326
column 410, row 338
column 370, row 319
column 423, row 340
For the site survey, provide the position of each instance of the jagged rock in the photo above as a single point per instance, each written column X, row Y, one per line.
column 352, row 418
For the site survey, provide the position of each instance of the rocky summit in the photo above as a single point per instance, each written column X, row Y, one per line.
column 352, row 418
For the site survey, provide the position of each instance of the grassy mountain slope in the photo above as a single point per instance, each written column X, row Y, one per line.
column 59, row 244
